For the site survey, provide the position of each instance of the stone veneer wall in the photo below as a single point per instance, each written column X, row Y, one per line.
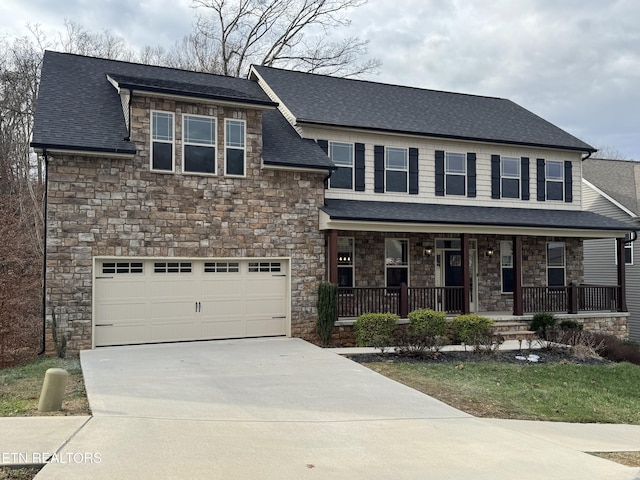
column 370, row 268
column 118, row 207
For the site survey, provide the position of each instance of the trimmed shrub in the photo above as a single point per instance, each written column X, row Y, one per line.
column 327, row 310
column 542, row 323
column 424, row 335
column 570, row 325
column 375, row 330
column 427, row 322
column 470, row 329
column 618, row 350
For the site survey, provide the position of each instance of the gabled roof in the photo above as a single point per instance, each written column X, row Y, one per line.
column 619, row 179
column 283, row 147
column 470, row 215
column 79, row 109
column 331, row 101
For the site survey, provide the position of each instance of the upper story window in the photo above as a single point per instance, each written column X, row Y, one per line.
column 396, row 169
column 554, row 179
column 162, row 152
column 510, row 177
column 555, row 264
column 199, row 144
column 455, row 170
column 235, row 150
column 396, row 261
column 342, row 156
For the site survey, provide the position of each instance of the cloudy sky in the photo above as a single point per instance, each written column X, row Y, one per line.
column 575, row 63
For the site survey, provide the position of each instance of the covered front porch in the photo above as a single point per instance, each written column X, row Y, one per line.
column 391, row 264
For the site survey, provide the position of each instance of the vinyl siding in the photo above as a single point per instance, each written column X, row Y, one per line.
column 426, row 168
column 600, row 258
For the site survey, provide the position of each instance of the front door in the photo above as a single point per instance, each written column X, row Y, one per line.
column 450, row 261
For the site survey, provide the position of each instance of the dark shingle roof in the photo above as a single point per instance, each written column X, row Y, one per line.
column 79, row 109
column 616, row 178
column 282, row 146
column 343, row 102
column 469, row 215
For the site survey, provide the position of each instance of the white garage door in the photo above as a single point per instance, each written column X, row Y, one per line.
column 147, row 301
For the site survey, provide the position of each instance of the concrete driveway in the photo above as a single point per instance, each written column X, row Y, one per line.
column 282, row 408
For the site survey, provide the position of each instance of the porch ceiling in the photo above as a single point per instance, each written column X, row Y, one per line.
column 437, row 218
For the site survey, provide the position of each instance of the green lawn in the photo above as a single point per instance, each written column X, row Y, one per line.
column 556, row 392
column 20, row 387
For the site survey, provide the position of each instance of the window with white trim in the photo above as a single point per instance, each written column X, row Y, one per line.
column 162, row 138
column 506, row 266
column 628, row 250
column 455, row 173
column 264, row 267
column 345, row 261
column 341, row 154
column 221, row 267
column 122, row 267
column 234, row 142
column 556, row 265
column 510, row 177
column 396, row 169
column 554, row 177
column 172, row 267
column 199, row 140
column 396, row 261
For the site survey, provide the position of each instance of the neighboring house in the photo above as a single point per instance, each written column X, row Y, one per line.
column 612, row 188
column 186, row 206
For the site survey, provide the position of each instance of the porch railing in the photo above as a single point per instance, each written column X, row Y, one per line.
column 353, row 302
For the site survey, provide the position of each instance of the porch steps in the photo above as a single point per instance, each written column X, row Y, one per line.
column 513, row 330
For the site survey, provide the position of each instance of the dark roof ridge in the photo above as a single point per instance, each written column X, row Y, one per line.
column 626, row 160
column 149, row 65
column 395, row 85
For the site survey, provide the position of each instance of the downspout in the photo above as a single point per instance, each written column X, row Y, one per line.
column 588, row 156
column 44, row 253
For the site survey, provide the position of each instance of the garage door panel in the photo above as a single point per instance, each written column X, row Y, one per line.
column 159, row 300
column 122, row 334
column 176, row 330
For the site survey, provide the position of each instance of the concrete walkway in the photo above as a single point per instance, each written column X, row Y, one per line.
column 284, row 409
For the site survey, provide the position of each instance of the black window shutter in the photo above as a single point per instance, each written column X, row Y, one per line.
column 495, row 176
column 378, row 169
column 359, row 161
column 524, row 178
column 471, row 174
column 568, row 182
column 324, row 145
column 413, row 171
column 540, row 180
column 440, row 173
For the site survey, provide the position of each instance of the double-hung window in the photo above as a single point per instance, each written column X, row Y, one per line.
column 234, row 143
column 510, row 177
column 555, row 264
column 554, row 177
column 506, row 266
column 345, row 261
column 341, row 155
column 396, row 169
column 162, row 138
column 396, row 262
column 628, row 250
column 199, row 144
column 455, row 170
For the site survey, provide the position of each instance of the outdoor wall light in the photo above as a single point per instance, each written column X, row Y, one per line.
column 490, row 252
column 427, row 251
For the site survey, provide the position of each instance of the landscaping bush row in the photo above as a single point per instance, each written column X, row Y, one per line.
column 427, row 332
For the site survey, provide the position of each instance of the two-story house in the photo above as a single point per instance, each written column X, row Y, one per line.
column 187, row 206
column 612, row 188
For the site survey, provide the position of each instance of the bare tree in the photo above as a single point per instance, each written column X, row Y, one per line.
column 283, row 33
column 79, row 40
column 610, row 153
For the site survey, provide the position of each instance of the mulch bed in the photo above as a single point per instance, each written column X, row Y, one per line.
column 556, row 355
